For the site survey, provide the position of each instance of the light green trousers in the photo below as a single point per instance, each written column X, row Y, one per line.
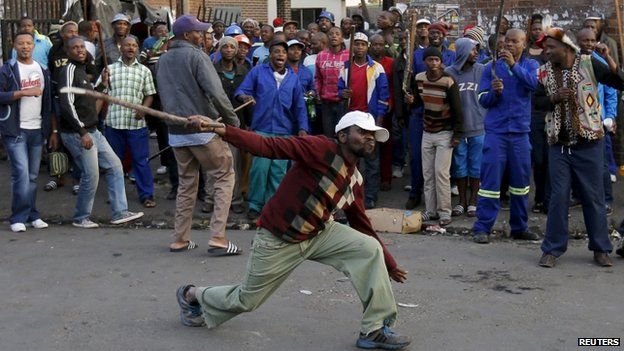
column 357, row 255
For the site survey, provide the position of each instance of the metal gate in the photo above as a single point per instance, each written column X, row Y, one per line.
column 43, row 12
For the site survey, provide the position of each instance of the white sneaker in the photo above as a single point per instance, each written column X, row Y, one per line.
column 18, row 227
column 454, row 190
column 613, row 178
column 397, row 172
column 86, row 224
column 407, row 188
column 39, row 224
column 127, row 217
column 161, row 170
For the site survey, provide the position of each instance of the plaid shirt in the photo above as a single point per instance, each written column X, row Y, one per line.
column 130, row 83
column 328, row 66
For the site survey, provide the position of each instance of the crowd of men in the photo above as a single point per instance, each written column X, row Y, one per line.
column 478, row 116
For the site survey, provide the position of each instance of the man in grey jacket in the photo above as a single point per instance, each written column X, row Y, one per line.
column 189, row 85
column 466, row 166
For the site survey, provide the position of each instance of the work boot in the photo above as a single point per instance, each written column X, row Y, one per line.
column 602, row 259
column 547, row 261
column 382, row 338
column 481, row 238
column 525, row 236
column 412, row 202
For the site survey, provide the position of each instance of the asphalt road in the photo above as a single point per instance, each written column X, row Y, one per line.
column 114, row 289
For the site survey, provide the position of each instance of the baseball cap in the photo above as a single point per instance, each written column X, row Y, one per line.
column 188, row 23
column 275, row 42
column 365, row 121
column 295, row 42
column 423, row 20
column 120, row 17
column 328, row 15
column 242, row 38
column 360, row 36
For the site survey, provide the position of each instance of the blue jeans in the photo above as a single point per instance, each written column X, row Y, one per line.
column 138, row 142
column 99, row 156
column 415, row 140
column 25, row 156
column 586, row 165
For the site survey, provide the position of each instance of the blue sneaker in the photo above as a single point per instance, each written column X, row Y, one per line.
column 382, row 338
column 190, row 313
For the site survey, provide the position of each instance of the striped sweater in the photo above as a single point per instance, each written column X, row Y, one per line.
column 442, row 104
column 319, row 182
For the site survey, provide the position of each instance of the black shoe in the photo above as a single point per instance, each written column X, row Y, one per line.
column 253, row 215
column 412, row 202
column 237, row 208
column 547, row 261
column 602, row 259
column 481, row 238
column 504, row 204
column 525, row 236
column 173, row 194
column 369, row 204
column 574, row 202
column 383, row 338
column 207, row 208
column 538, row 208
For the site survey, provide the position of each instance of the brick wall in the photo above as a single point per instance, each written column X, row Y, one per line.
column 256, row 9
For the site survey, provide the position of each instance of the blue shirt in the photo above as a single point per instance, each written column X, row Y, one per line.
column 280, row 110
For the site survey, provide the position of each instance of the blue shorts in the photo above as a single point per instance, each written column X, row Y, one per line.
column 467, row 157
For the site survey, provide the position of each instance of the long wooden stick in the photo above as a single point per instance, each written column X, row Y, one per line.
column 411, row 45
column 101, row 45
column 169, row 146
column 146, row 110
column 496, row 35
column 620, row 33
column 352, row 34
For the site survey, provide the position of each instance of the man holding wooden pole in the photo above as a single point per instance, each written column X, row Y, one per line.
column 193, row 87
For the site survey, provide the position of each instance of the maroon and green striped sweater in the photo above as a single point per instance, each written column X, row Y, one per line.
column 319, row 182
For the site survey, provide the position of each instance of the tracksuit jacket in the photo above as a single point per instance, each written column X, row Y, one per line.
column 10, row 109
column 277, row 110
column 378, row 91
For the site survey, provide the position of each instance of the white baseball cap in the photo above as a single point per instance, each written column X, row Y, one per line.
column 365, row 121
column 423, row 20
column 360, row 36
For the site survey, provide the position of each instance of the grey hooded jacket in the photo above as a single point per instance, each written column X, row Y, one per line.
column 468, row 84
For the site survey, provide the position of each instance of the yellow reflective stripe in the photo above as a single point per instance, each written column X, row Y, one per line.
column 488, row 193
column 519, row 191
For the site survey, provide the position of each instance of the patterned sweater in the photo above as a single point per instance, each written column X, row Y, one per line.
column 442, row 104
column 319, row 182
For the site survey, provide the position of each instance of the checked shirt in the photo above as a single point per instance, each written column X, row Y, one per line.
column 130, row 83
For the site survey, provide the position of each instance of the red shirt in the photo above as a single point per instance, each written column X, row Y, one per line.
column 328, row 66
column 359, row 88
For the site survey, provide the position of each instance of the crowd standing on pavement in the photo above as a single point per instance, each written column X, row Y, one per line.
column 478, row 116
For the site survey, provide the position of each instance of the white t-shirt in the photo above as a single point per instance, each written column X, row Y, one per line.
column 279, row 78
column 30, row 107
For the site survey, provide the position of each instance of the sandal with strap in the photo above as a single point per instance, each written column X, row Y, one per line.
column 51, row 185
column 190, row 245
column 230, row 250
column 458, row 210
column 472, row 211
